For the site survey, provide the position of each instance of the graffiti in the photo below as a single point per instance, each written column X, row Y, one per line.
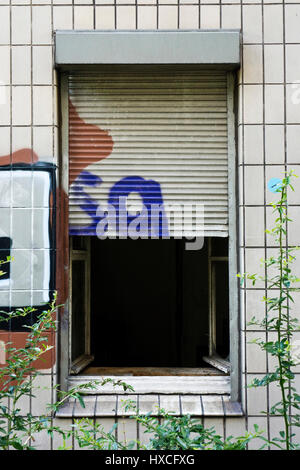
column 28, row 220
column 151, row 195
column 86, row 203
column 149, row 192
column 27, row 234
column 90, row 145
column 28, row 230
column 27, row 156
column 27, row 209
column 98, row 141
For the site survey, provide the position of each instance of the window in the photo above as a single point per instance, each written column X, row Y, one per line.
column 154, row 308
column 162, row 137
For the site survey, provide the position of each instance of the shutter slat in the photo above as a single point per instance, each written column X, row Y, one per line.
column 167, row 128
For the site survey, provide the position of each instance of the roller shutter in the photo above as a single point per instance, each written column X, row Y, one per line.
column 152, row 139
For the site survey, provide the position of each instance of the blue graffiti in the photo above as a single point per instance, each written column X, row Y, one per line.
column 149, row 191
column 86, row 203
column 151, row 195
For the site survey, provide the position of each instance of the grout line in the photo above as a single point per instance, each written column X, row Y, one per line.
column 136, row 14
column 242, row 114
column 94, row 14
column 32, row 186
column 265, row 189
column 285, row 148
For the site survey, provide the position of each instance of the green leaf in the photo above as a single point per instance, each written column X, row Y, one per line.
column 80, row 399
column 17, row 445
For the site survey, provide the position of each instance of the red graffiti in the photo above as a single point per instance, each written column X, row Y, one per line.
column 87, row 143
column 18, row 340
column 20, row 156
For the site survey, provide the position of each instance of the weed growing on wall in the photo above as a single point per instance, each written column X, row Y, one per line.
column 17, row 381
column 18, row 429
column 168, row 432
column 279, row 321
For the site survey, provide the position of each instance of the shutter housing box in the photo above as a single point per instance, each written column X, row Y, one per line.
column 89, row 48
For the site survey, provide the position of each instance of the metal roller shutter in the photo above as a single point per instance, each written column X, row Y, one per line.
column 154, row 138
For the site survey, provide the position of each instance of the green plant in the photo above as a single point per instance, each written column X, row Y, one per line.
column 186, row 433
column 168, row 432
column 17, row 380
column 91, row 435
column 18, row 431
column 279, row 320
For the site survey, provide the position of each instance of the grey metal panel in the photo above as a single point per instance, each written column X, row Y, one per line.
column 221, row 47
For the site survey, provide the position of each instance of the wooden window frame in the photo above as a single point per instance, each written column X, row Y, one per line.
column 213, row 358
column 84, row 254
column 227, row 385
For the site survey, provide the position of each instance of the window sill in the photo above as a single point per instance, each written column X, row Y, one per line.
column 194, row 395
column 198, row 385
column 106, row 406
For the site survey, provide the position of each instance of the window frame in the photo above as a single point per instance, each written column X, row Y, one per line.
column 213, row 358
column 228, row 385
column 84, row 255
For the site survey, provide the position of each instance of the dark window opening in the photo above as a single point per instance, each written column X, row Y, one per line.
column 150, row 303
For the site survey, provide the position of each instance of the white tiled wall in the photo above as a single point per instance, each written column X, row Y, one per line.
column 269, row 119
